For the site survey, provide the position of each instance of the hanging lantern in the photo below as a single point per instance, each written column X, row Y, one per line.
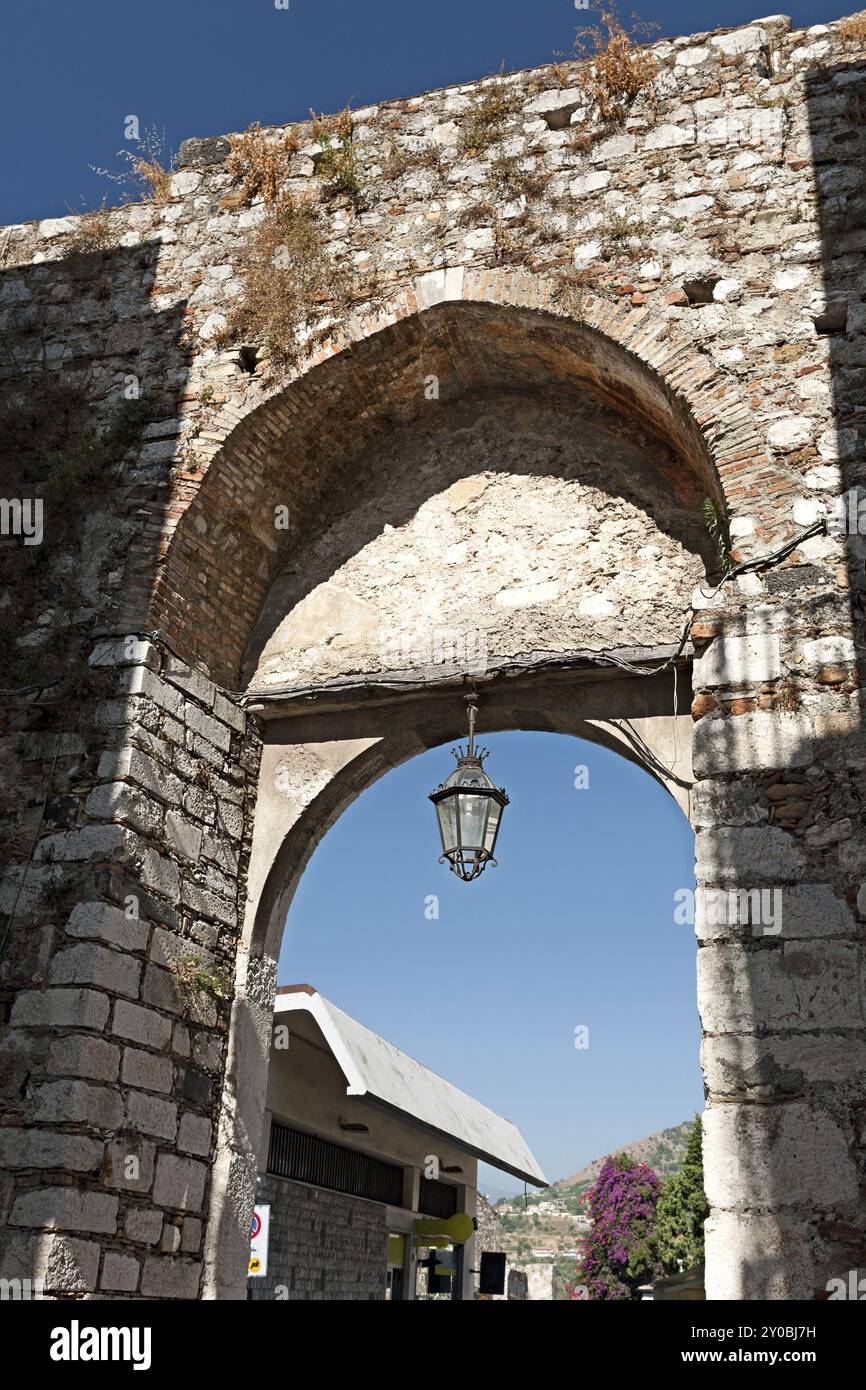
column 469, row 808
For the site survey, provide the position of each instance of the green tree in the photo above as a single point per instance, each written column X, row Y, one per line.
column 683, row 1208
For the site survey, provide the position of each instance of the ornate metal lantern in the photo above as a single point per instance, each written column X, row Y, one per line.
column 469, row 809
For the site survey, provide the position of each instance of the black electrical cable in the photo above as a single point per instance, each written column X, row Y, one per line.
column 159, row 639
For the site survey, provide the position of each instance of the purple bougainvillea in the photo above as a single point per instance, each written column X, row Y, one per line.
column 620, row 1252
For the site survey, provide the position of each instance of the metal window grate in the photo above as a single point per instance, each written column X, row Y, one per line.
column 437, row 1198
column 306, row 1158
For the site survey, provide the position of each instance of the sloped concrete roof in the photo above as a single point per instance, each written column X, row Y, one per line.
column 379, row 1071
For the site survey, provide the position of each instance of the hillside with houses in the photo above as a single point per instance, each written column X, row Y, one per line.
column 546, row 1227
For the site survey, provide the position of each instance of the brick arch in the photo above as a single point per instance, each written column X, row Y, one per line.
column 289, row 442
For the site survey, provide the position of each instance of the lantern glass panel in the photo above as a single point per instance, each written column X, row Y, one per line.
column 473, row 813
column 492, row 825
column 446, row 812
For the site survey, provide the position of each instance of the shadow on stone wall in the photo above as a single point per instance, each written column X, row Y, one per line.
column 787, row 1127
column 90, row 386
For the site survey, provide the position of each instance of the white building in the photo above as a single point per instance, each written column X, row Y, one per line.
column 363, row 1149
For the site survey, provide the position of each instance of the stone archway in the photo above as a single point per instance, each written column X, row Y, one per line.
column 314, row 764
column 286, row 444
column 761, row 1239
column 327, row 736
column 783, row 1019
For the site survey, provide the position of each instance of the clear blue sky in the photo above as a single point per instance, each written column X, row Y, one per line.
column 573, row 927
column 71, row 73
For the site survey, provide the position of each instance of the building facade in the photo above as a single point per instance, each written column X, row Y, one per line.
column 364, row 1150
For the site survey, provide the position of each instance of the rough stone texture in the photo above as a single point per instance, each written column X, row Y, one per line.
column 553, row 482
column 323, row 1246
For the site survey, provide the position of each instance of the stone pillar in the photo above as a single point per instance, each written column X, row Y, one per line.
column 119, row 975
column 780, row 755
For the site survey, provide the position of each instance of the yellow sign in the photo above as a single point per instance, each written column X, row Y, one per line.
column 435, row 1231
column 255, row 1265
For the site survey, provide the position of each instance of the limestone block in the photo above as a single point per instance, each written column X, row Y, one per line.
column 87, row 1057
column 194, row 1135
column 160, row 874
column 765, row 1068
column 129, row 1164
column 798, row 986
column 119, row 1273
column 43, row 1148
column 108, row 923
column 144, row 1225
column 149, row 1114
column 739, row 660
column 50, row 1207
column 170, row 1276
column 748, row 857
column 77, row 1101
column 775, row 1156
column 147, row 1071
column 60, row 1008
column 89, row 964
column 141, row 1025
column 752, row 742
column 179, row 1182
column 751, row 1256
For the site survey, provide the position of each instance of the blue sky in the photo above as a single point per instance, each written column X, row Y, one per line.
column 574, row 927
column 71, row 73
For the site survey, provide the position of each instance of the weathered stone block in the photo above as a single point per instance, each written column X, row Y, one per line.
column 43, row 1148
column 179, row 1183
column 96, row 965
column 87, row 1057
column 119, row 1273
column 777, row 1155
column 749, row 1068
column 144, row 1225
column 122, row 802
column 60, row 1008
column 129, row 1164
column 160, row 988
column 141, row 1025
column 167, row 1276
column 146, row 1071
column 66, row 1207
column 738, row 661
column 755, row 1256
column 750, row 742
column 787, row 911
column 183, row 836
column 798, row 986
column 151, row 1115
column 160, row 874
column 108, row 923
column 194, row 1134
column 748, row 857
column 78, row 1101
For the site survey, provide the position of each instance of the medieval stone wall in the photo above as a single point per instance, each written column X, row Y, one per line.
column 651, row 315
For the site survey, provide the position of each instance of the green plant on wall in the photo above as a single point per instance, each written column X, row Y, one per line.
column 718, row 528
column 196, row 976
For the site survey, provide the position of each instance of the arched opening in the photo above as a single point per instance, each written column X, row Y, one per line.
column 559, row 990
column 291, row 450
column 533, row 525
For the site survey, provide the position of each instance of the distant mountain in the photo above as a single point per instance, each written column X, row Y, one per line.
column 663, row 1151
